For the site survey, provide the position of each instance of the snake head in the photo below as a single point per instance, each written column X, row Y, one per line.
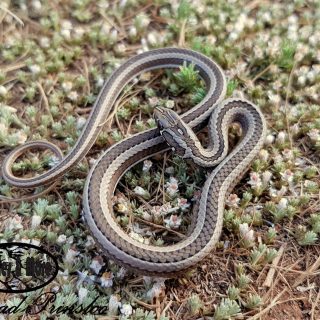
column 173, row 130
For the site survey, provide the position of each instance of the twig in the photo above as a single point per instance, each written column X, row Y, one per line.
column 270, row 275
column 45, row 99
column 144, row 304
column 28, row 198
column 314, row 305
column 287, row 100
column 160, row 227
column 272, row 304
column 182, row 35
column 13, row 67
column 261, row 73
column 12, row 15
column 307, row 273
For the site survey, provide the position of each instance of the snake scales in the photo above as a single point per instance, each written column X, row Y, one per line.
column 110, row 167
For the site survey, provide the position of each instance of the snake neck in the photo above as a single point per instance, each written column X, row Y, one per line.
column 233, row 111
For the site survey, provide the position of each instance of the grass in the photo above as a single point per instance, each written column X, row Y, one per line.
column 54, row 58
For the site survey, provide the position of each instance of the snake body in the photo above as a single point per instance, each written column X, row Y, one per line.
column 114, row 162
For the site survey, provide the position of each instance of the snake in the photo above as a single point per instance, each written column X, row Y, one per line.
column 175, row 131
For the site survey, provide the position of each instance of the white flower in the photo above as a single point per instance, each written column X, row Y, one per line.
column 81, row 121
column 66, row 24
column 62, row 239
column 105, row 28
column 169, row 170
column 82, row 294
column 269, row 139
column 120, row 48
column 295, row 128
column 121, row 273
column 35, row 221
column 65, row 33
column 153, row 101
column 172, row 187
column 123, row 206
column 35, row 69
column 70, row 255
column 233, row 200
column 314, row 135
column 126, row 310
column 170, row 104
column 132, row 32
column 146, row 76
column 152, row 38
column 20, row 136
column 90, row 242
column 146, row 216
column 206, row 23
column 3, row 91
column 156, row 290
column 301, row 80
column 114, row 305
column 277, row 158
column 113, row 35
column 264, row 155
column 99, row 81
column 161, row 210
column 283, row 204
column 64, row 274
column 281, row 138
column 96, row 264
column 14, row 223
column 35, row 242
column 73, row 95
column 143, row 20
column 44, row 42
column 233, row 35
column 278, row 193
column 142, row 192
column 266, row 177
column 25, row 240
column 173, row 222
column 246, row 234
column 147, row 164
column 287, row 176
column 183, row 204
column 136, row 236
column 288, row 154
column 310, row 184
column 255, row 180
column 92, row 161
column 36, row 4
column 66, row 86
column 79, row 32
column 106, row 280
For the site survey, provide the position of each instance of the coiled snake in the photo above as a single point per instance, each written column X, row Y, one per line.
column 110, row 167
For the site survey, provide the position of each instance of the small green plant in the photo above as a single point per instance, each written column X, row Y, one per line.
column 195, row 304
column 314, row 222
column 304, row 237
column 286, row 58
column 227, row 309
column 187, row 78
column 253, row 301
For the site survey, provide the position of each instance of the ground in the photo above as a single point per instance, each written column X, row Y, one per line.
column 54, row 58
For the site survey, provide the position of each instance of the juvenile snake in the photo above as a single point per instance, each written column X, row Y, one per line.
column 110, row 167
